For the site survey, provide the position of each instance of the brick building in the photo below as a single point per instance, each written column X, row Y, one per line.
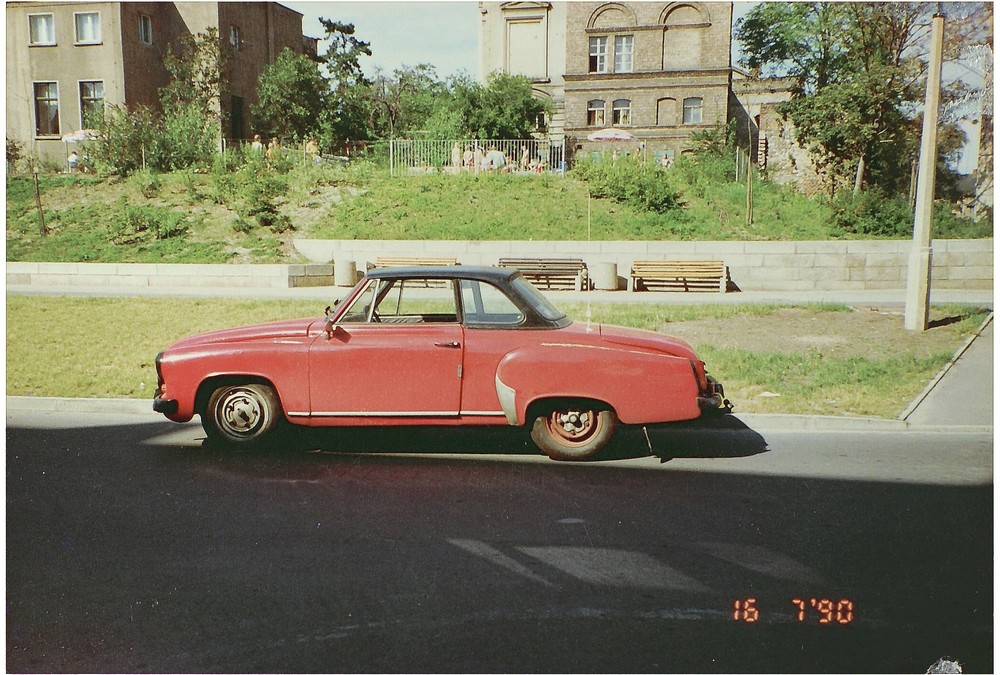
column 660, row 70
column 64, row 58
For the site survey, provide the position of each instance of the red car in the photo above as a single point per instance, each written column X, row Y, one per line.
column 436, row 346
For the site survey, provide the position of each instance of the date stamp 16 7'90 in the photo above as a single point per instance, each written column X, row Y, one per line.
column 812, row 610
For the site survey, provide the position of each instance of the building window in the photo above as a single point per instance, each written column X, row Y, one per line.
column 598, row 55
column 46, row 109
column 234, row 38
column 595, row 113
column 145, row 30
column 41, row 29
column 621, row 112
column 88, row 28
column 692, row 111
column 91, row 103
column 623, row 54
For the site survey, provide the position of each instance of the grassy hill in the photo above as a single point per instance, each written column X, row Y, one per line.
column 250, row 213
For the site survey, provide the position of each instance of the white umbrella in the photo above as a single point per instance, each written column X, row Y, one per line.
column 80, row 136
column 613, row 134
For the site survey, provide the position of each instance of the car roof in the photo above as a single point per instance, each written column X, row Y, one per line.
column 492, row 274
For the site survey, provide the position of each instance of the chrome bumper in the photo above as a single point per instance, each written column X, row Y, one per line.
column 715, row 397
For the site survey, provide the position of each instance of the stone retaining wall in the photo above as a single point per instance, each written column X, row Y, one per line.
column 754, row 266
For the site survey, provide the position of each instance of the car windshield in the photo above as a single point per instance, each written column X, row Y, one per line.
column 538, row 302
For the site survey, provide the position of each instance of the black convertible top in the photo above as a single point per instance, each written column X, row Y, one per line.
column 496, row 275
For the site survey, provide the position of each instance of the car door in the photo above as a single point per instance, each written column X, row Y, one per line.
column 396, row 353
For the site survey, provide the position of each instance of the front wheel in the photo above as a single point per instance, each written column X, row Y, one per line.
column 241, row 413
column 573, row 432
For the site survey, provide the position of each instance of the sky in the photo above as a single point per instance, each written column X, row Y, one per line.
column 443, row 34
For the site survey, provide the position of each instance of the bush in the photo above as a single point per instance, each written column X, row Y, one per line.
column 627, row 180
column 146, row 182
column 132, row 225
column 872, row 213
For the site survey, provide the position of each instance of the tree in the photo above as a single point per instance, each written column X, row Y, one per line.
column 343, row 53
column 292, row 97
column 504, row 108
column 861, row 66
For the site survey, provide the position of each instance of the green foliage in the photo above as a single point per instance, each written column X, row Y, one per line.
column 126, row 139
column 199, row 66
column 860, row 66
column 873, row 213
column 131, row 225
column 504, row 108
column 15, row 152
column 641, row 185
column 292, row 98
column 147, row 182
column 252, row 192
column 343, row 53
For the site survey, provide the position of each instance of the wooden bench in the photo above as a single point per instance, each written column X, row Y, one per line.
column 679, row 275
column 553, row 274
column 415, row 261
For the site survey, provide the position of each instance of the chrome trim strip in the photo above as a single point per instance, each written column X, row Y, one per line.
column 397, row 413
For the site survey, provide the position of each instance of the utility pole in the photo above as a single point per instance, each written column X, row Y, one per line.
column 918, row 278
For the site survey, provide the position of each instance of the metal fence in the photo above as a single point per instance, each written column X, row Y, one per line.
column 476, row 156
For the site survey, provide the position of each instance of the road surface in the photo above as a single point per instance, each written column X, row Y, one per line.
column 131, row 547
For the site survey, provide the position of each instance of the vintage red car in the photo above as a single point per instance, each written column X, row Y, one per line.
column 436, row 346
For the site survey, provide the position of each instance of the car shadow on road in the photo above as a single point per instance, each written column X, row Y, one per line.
column 710, row 436
column 716, row 436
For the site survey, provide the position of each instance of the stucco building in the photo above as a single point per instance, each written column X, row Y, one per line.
column 64, row 58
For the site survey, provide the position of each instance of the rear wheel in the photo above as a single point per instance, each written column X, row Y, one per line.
column 573, row 430
column 241, row 413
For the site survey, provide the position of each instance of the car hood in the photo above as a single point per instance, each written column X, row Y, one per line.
column 293, row 328
column 647, row 339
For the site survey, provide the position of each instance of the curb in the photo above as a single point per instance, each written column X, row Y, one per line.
column 756, row 421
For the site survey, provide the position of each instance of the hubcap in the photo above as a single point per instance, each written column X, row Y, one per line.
column 574, row 426
column 241, row 412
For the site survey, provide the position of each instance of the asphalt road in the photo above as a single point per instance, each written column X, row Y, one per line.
column 130, row 547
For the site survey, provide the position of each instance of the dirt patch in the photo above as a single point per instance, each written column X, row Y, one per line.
column 872, row 332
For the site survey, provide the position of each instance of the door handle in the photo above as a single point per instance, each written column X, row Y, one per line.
column 448, row 345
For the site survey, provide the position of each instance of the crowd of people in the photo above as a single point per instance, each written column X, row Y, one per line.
column 475, row 160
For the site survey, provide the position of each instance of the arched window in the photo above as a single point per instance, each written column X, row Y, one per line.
column 666, row 112
column 692, row 110
column 595, row 113
column 621, row 112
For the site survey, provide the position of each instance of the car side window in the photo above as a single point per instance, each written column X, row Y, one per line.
column 486, row 305
column 418, row 301
column 404, row 301
column 360, row 309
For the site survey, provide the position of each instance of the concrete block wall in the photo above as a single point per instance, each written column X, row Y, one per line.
column 753, row 265
column 957, row 264
column 147, row 275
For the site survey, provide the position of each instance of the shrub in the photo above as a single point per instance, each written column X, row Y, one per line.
column 15, row 152
column 132, row 225
column 147, row 182
column 873, row 213
column 641, row 185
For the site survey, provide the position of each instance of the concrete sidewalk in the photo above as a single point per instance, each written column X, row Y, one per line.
column 962, row 393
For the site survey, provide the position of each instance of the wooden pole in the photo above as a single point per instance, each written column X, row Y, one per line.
column 918, row 278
